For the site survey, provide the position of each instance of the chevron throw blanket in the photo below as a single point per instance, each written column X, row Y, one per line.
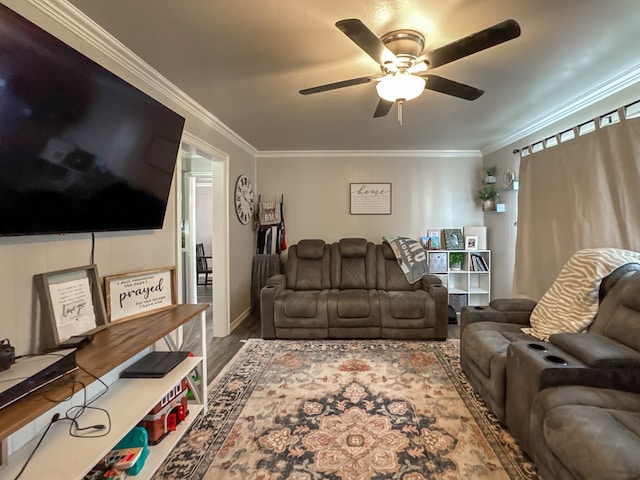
column 410, row 256
column 571, row 303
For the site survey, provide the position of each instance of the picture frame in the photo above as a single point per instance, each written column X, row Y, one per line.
column 370, row 198
column 433, row 240
column 453, row 239
column 471, row 242
column 71, row 303
column 135, row 294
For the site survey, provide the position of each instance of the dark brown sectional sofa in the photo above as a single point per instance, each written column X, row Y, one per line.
column 350, row 289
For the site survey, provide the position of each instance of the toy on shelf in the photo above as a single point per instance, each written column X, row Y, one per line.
column 168, row 413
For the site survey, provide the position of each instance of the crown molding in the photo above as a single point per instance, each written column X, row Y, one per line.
column 79, row 24
column 610, row 87
column 370, row 153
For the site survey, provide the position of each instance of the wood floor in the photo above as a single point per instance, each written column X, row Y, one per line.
column 222, row 349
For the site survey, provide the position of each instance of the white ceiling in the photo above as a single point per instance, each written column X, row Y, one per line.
column 246, row 60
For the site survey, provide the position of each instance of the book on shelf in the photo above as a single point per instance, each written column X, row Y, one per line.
column 479, row 263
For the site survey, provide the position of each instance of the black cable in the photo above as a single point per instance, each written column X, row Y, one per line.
column 55, row 418
column 72, row 416
column 93, row 249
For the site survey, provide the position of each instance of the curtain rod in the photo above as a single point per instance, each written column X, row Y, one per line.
column 604, row 115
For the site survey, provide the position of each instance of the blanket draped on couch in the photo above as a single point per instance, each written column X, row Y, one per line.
column 411, row 257
column 571, row 303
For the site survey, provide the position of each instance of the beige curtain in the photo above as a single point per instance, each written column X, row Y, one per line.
column 582, row 193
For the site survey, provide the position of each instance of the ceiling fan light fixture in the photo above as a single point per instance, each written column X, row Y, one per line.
column 400, row 86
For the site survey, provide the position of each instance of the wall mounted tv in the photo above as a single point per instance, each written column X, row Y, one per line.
column 81, row 150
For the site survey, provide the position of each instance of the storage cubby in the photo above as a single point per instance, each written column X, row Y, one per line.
column 471, row 285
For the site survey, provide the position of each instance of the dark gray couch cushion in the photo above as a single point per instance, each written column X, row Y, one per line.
column 353, row 303
column 310, row 249
column 407, row 304
column 584, row 432
column 301, row 304
column 308, row 266
column 353, row 264
column 624, row 326
column 484, row 341
column 353, row 247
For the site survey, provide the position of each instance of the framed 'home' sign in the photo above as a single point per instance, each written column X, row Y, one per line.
column 132, row 295
column 370, row 198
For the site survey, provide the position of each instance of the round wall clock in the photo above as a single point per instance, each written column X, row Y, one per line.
column 244, row 199
column 508, row 177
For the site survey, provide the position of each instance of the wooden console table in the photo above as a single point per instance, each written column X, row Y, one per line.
column 127, row 400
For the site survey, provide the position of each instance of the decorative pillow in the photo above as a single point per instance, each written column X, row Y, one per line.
column 571, row 303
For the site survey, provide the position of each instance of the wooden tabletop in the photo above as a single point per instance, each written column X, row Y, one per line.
column 110, row 347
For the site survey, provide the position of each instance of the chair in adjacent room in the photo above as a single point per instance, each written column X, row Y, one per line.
column 202, row 265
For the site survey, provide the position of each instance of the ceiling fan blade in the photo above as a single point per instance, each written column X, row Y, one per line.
column 367, row 41
column 336, row 85
column 449, row 87
column 383, row 108
column 476, row 42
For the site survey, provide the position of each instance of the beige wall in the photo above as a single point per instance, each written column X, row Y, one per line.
column 429, row 191
column 22, row 257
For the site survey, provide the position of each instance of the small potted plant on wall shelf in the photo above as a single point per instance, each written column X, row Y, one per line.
column 455, row 260
column 489, row 196
column 490, row 172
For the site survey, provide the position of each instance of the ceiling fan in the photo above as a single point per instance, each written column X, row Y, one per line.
column 406, row 69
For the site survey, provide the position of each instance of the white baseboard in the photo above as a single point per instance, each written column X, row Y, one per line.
column 241, row 318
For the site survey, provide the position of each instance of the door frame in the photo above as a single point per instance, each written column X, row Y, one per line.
column 219, row 236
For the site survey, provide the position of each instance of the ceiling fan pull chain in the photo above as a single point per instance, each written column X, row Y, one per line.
column 400, row 102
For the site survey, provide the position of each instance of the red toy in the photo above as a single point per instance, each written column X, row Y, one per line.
column 168, row 413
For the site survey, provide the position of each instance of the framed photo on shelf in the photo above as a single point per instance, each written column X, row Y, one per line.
column 471, row 242
column 135, row 294
column 433, row 240
column 453, row 239
column 72, row 304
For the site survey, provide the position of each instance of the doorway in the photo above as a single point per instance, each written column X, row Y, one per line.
column 204, row 219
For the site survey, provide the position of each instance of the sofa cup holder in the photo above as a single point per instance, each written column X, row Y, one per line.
column 555, row 359
column 537, row 346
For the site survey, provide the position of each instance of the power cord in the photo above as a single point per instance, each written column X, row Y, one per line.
column 55, row 418
column 73, row 413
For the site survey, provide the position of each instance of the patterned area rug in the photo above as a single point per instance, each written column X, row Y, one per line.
column 345, row 410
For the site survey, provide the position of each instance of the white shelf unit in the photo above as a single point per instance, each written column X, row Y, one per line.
column 467, row 286
column 127, row 401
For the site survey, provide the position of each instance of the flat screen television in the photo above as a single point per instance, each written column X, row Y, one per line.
column 81, row 150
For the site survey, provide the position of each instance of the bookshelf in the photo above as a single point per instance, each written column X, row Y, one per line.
column 471, row 284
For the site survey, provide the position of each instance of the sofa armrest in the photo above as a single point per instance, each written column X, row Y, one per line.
column 518, row 310
column 506, row 310
column 430, row 279
column 268, row 293
column 277, row 280
column 597, row 351
column 440, row 295
column 533, row 366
